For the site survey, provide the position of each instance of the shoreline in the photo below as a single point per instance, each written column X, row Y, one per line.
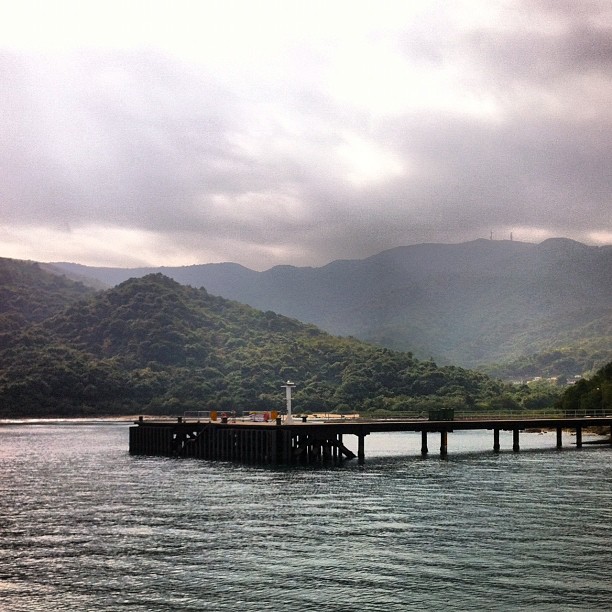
column 36, row 420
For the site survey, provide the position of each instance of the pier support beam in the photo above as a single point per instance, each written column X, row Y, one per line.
column 559, row 437
column 515, row 440
column 361, row 449
column 578, row 437
column 496, row 445
column 424, row 449
column 443, row 443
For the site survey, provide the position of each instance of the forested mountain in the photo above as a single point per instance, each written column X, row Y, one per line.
column 29, row 294
column 152, row 345
column 471, row 304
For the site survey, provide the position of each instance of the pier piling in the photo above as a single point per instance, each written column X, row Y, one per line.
column 443, row 443
column 361, row 449
column 424, row 449
column 496, row 445
column 579, row 437
column 515, row 440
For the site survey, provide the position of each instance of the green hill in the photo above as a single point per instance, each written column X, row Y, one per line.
column 152, row 345
column 590, row 396
column 29, row 294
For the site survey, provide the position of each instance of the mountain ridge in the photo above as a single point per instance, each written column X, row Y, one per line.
column 472, row 304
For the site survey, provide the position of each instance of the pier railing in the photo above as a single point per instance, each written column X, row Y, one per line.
column 230, row 415
column 532, row 414
column 466, row 415
column 414, row 415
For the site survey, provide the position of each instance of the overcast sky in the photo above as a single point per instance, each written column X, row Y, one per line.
column 178, row 132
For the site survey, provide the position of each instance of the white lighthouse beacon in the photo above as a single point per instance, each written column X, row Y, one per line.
column 288, row 386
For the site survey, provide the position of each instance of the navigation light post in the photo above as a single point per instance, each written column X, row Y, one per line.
column 288, row 386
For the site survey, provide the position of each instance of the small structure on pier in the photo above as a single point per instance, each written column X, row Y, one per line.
column 288, row 386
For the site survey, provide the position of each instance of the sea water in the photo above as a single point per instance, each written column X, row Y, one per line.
column 85, row 526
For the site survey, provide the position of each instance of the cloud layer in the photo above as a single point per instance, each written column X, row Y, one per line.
column 264, row 133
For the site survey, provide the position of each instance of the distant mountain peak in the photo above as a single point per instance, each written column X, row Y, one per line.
column 563, row 243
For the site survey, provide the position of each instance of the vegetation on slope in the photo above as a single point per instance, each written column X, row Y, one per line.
column 152, row 345
column 29, row 294
column 589, row 396
column 471, row 304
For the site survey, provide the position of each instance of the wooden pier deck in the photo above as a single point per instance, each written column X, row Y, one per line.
column 298, row 442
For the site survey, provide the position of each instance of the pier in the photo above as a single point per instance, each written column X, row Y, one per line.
column 302, row 442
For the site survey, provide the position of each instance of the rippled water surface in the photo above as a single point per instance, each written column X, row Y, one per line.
column 85, row 526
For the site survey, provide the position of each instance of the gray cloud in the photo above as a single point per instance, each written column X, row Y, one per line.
column 274, row 167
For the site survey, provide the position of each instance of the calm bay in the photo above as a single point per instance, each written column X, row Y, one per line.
column 86, row 526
